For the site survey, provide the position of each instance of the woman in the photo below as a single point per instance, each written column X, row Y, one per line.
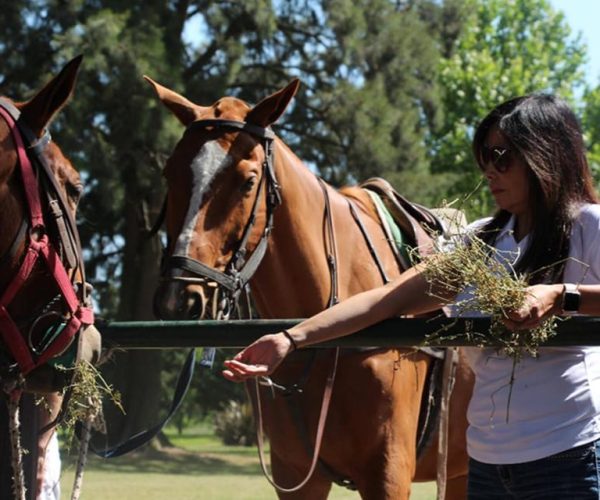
column 533, row 432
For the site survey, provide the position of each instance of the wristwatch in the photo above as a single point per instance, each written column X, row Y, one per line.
column 571, row 298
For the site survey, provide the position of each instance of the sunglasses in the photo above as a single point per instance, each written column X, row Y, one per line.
column 501, row 158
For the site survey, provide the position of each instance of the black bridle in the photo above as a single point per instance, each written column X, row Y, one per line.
column 241, row 267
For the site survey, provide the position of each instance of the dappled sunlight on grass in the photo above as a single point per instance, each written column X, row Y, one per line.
column 198, row 467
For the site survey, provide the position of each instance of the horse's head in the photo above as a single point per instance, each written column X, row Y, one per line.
column 221, row 193
column 43, row 299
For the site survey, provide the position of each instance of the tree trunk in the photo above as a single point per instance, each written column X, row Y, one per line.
column 135, row 374
column 29, row 433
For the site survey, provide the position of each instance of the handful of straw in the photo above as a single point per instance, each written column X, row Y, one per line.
column 88, row 389
column 494, row 289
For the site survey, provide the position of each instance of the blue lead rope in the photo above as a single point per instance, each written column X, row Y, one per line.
column 208, row 357
column 144, row 437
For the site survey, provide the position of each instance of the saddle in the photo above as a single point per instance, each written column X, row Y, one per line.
column 418, row 224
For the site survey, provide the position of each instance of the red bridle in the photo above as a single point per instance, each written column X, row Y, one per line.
column 39, row 247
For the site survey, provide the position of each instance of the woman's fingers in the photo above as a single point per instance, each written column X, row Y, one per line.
column 258, row 359
column 237, row 371
column 252, row 370
column 536, row 307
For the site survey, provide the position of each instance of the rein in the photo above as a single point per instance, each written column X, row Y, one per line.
column 40, row 247
column 331, row 254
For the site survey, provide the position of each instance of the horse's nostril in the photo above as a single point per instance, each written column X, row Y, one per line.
column 196, row 305
column 173, row 302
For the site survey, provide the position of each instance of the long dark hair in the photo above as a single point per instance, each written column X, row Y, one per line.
column 545, row 132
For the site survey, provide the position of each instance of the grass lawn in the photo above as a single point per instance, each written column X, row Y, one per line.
column 199, row 468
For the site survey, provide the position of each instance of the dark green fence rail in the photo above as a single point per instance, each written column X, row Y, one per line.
column 398, row 332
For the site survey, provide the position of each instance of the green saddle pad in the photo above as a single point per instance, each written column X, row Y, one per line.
column 395, row 232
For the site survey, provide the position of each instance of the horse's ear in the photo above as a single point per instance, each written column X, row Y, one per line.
column 41, row 108
column 268, row 111
column 185, row 111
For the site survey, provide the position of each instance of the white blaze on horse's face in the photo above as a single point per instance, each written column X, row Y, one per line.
column 210, row 160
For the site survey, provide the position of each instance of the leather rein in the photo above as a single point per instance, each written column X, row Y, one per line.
column 33, row 234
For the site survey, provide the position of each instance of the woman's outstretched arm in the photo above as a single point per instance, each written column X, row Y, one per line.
column 410, row 294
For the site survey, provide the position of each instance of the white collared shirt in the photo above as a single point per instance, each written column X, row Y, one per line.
column 555, row 398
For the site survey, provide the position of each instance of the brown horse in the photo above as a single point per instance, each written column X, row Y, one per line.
column 45, row 314
column 235, row 193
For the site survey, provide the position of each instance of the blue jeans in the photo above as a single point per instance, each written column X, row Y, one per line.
column 569, row 475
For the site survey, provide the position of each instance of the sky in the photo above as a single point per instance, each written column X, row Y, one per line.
column 582, row 16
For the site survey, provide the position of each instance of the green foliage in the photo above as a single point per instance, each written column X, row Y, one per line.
column 506, row 49
column 591, row 128
column 235, row 424
column 209, row 392
column 381, row 93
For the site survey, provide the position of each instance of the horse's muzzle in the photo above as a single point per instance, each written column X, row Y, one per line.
column 174, row 301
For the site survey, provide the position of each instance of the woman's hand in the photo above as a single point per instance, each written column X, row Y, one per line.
column 259, row 358
column 541, row 301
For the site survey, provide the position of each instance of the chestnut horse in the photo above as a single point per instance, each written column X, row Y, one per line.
column 237, row 193
column 46, row 318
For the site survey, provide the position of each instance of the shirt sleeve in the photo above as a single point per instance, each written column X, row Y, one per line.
column 585, row 243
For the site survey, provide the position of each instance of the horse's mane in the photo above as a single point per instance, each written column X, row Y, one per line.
column 359, row 195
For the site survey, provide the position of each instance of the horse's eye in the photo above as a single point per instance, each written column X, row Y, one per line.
column 74, row 191
column 248, row 185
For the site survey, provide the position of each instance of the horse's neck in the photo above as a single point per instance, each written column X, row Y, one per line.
column 10, row 198
column 10, row 218
column 294, row 279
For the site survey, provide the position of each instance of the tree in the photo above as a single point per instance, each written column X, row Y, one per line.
column 506, row 48
column 591, row 128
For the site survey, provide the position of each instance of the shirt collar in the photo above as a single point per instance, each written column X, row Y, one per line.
column 508, row 231
column 509, row 228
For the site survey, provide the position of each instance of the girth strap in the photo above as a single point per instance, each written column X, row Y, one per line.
column 331, row 252
column 369, row 243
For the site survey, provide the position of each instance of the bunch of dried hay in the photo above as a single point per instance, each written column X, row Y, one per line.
column 493, row 288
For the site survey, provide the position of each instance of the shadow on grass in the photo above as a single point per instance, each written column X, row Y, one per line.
column 173, row 461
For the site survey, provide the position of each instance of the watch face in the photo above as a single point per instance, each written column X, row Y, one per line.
column 571, row 301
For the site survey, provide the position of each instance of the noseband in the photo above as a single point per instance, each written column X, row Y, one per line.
column 240, row 268
column 36, row 174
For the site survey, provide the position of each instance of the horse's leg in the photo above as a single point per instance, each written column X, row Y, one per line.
column 386, row 472
column 317, row 488
column 458, row 460
column 289, row 456
column 32, row 418
column 456, row 488
column 390, row 480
